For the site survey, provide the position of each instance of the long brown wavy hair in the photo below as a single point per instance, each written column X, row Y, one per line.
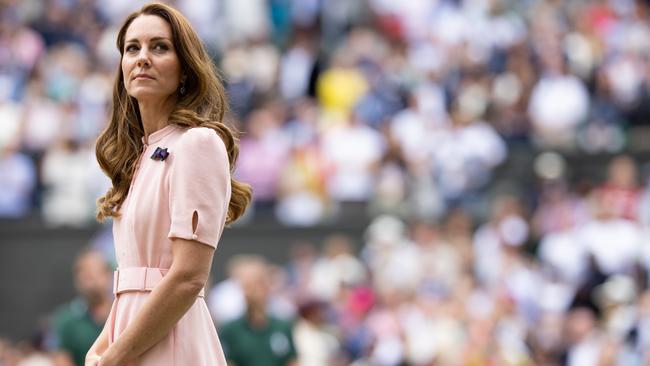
column 203, row 104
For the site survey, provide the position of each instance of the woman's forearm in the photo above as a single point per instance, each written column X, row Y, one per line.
column 165, row 306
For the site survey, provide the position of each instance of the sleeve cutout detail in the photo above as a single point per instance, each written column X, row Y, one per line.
column 195, row 221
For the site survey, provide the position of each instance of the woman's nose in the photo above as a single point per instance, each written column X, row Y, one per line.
column 143, row 59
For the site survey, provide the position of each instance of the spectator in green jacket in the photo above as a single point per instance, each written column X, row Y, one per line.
column 77, row 324
column 257, row 338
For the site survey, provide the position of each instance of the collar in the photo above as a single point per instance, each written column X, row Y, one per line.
column 158, row 134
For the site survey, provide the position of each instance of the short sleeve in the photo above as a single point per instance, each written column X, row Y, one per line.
column 199, row 185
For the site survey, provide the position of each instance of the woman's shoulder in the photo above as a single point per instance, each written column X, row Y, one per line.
column 198, row 133
column 198, row 138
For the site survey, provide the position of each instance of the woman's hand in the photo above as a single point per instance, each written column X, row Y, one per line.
column 106, row 359
column 92, row 359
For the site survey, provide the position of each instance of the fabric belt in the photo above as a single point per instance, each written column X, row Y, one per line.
column 139, row 279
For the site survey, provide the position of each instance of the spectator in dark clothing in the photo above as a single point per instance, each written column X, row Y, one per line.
column 78, row 323
column 257, row 338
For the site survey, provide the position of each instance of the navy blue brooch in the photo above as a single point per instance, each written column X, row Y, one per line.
column 160, row 154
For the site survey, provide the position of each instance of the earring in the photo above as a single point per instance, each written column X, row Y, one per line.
column 182, row 90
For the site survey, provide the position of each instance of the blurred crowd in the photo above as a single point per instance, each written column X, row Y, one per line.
column 407, row 107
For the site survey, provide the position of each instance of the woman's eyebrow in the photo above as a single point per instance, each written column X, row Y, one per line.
column 153, row 39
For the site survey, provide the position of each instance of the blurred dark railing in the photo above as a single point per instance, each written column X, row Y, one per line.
column 36, row 262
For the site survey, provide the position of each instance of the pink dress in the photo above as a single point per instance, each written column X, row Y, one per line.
column 194, row 179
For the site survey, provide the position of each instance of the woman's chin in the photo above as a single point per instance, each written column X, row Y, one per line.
column 149, row 95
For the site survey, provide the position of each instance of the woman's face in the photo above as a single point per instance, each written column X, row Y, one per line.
column 150, row 66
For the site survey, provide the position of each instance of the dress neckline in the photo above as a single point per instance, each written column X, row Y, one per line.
column 158, row 134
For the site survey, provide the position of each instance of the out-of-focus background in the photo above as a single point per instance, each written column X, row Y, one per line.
column 437, row 182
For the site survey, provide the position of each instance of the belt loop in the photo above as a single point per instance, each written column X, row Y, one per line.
column 143, row 286
column 116, row 281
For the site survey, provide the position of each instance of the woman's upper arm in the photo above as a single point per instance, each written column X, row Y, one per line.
column 191, row 262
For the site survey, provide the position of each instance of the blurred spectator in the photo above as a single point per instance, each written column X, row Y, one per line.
column 39, row 135
column 391, row 257
column 22, row 50
column 338, row 267
column 296, row 68
column 559, row 102
column 584, row 339
column 442, row 263
column 245, row 20
column 563, row 256
column 352, row 152
column 558, row 209
column 17, row 181
column 302, row 197
column 465, row 155
column 282, row 300
column 302, row 257
column 316, row 343
column 226, row 300
column 414, row 127
column 11, row 113
column 202, row 14
column 341, row 86
column 621, row 192
column 66, row 172
column 256, row 337
column 498, row 239
column 263, row 154
column 615, row 243
column 77, row 324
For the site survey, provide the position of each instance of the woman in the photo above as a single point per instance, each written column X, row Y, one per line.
column 170, row 162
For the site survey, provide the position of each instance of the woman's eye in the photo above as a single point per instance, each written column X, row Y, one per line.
column 162, row 47
column 131, row 48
